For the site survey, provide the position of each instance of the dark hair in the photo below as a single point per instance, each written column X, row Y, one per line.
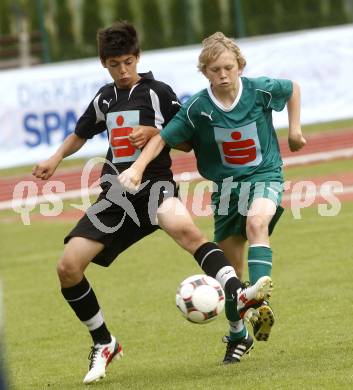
column 117, row 40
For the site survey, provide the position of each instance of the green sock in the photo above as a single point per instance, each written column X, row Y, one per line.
column 236, row 333
column 231, row 309
column 259, row 262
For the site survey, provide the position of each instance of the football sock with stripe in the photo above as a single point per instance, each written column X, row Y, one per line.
column 83, row 301
column 259, row 262
column 214, row 263
column 237, row 330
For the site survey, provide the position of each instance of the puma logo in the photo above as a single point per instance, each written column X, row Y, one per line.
column 106, row 102
column 275, row 193
column 209, row 116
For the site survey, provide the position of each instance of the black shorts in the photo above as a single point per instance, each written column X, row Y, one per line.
column 120, row 223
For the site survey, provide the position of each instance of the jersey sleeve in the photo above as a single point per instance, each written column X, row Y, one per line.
column 278, row 92
column 179, row 129
column 166, row 102
column 92, row 121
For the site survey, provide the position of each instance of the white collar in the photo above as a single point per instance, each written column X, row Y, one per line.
column 219, row 104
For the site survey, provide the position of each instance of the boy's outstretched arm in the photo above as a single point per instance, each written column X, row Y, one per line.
column 131, row 177
column 45, row 169
column 295, row 137
column 142, row 134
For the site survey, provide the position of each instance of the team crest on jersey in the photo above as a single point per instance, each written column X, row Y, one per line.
column 239, row 146
column 120, row 125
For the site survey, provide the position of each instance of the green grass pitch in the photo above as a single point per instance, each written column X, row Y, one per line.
column 310, row 346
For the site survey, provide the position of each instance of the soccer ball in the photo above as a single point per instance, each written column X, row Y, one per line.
column 200, row 298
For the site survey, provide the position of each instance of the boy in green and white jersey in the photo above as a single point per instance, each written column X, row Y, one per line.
column 229, row 126
column 235, row 147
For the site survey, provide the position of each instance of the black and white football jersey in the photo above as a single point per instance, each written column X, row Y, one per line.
column 117, row 111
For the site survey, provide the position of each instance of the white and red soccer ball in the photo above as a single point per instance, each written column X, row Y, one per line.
column 200, row 298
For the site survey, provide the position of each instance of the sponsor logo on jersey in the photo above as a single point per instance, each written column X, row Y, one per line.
column 120, row 125
column 239, row 146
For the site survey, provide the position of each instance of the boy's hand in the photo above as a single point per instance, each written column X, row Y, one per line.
column 140, row 135
column 45, row 169
column 296, row 141
column 130, row 179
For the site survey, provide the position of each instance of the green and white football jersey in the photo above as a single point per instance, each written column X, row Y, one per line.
column 239, row 141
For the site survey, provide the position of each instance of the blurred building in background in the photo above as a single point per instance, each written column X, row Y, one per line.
column 41, row 31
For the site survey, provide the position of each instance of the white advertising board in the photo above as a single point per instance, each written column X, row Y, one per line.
column 39, row 106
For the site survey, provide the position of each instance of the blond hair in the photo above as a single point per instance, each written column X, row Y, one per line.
column 216, row 44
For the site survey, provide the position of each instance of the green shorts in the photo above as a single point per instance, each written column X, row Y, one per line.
column 231, row 206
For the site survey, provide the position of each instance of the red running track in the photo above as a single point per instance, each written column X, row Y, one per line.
column 183, row 162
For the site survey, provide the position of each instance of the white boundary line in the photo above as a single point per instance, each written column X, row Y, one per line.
column 35, row 200
column 318, row 157
column 189, row 176
column 75, row 194
column 298, row 195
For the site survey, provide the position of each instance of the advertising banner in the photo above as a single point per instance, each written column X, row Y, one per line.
column 39, row 106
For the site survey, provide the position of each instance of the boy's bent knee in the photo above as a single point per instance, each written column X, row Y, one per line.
column 257, row 230
column 69, row 270
column 256, row 224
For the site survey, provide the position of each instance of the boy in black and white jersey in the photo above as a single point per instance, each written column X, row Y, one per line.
column 132, row 109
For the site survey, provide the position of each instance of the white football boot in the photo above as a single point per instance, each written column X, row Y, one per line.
column 100, row 356
column 250, row 297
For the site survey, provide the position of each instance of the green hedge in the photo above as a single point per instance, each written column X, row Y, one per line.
column 168, row 23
